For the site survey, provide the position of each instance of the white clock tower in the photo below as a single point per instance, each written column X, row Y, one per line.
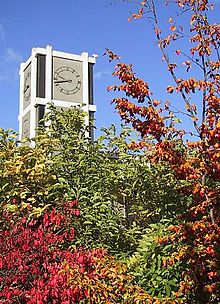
column 53, row 76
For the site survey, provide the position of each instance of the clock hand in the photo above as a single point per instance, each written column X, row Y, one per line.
column 59, row 76
column 62, row 81
column 26, row 88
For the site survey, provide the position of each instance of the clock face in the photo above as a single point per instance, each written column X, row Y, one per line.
column 67, row 80
column 27, row 86
column 26, row 125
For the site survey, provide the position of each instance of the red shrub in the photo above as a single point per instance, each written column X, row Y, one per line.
column 38, row 265
column 33, row 255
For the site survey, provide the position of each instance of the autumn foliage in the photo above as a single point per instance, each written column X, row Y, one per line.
column 193, row 155
column 40, row 264
column 153, row 202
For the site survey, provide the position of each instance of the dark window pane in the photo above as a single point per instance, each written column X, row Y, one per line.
column 40, row 114
column 41, row 69
column 91, row 83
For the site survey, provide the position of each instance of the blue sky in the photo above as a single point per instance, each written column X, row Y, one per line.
column 75, row 26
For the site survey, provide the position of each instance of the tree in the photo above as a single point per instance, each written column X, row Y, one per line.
column 27, row 182
column 193, row 156
column 44, row 239
column 118, row 193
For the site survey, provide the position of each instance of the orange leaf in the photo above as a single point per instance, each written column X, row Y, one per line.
column 170, row 89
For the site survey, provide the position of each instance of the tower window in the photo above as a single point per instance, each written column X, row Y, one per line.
column 91, row 83
column 41, row 73
column 40, row 115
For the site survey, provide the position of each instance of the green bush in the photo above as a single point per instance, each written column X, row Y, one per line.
column 154, row 265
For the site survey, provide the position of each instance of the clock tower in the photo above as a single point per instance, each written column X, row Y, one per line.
column 52, row 76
